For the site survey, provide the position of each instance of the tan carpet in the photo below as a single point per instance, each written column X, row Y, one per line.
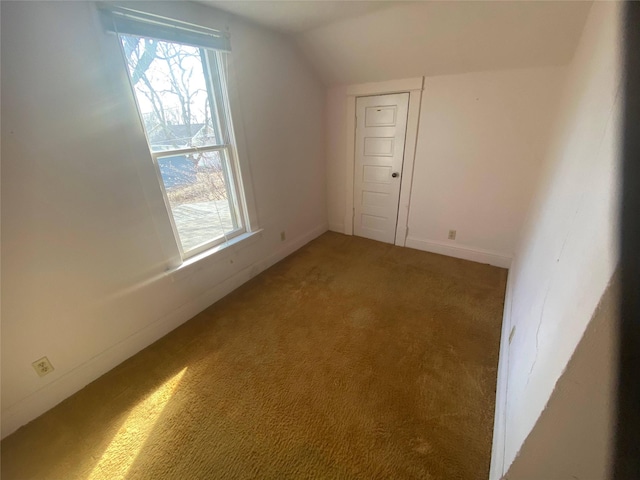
column 349, row 359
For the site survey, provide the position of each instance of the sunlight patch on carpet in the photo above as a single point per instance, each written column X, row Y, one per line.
column 127, row 443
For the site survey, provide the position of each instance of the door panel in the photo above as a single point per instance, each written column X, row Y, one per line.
column 375, row 146
column 373, row 173
column 375, row 199
column 380, row 116
column 381, row 123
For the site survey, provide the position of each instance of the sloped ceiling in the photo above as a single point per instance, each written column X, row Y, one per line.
column 298, row 16
column 368, row 41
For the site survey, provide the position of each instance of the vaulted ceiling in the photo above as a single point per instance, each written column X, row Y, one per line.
column 365, row 41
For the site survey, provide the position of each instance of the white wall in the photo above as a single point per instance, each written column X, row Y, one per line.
column 568, row 250
column 83, row 260
column 480, row 146
column 336, row 148
column 574, row 435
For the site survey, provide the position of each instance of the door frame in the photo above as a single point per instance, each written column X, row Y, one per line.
column 414, row 87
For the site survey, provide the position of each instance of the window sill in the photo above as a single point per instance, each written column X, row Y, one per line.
column 215, row 254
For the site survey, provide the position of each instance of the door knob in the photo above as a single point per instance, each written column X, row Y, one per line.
column 395, row 174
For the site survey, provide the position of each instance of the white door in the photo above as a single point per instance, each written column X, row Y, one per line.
column 381, row 124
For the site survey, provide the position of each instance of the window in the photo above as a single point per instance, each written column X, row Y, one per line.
column 178, row 76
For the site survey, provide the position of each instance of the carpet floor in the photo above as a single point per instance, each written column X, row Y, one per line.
column 350, row 359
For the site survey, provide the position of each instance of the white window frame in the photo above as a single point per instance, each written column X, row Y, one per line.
column 216, row 74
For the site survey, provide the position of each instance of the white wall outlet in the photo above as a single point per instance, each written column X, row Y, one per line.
column 283, row 236
column 452, row 234
column 42, row 366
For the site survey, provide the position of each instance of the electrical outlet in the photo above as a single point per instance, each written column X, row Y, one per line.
column 283, row 236
column 42, row 366
column 452, row 234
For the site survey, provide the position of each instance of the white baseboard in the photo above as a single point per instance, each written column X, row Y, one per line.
column 336, row 227
column 290, row 247
column 466, row 253
column 49, row 396
column 497, row 469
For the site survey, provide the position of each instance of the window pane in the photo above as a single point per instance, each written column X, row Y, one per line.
column 176, row 105
column 201, row 201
